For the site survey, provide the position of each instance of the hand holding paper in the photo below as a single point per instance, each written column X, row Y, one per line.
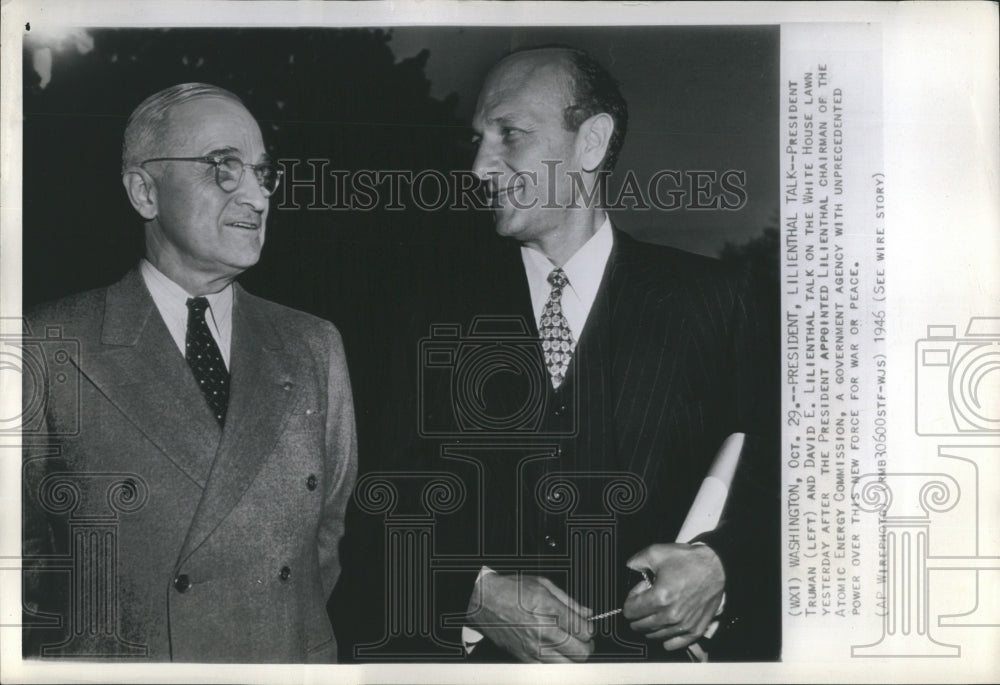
column 688, row 589
column 684, row 597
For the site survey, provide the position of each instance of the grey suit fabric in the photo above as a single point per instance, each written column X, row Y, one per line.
column 224, row 539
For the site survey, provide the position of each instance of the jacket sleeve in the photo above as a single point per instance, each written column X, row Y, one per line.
column 341, row 460
column 747, row 539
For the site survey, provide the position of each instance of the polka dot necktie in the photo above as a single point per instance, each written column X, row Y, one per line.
column 205, row 359
column 557, row 339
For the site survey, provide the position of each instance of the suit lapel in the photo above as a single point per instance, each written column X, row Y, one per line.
column 264, row 388
column 588, row 383
column 139, row 369
column 650, row 341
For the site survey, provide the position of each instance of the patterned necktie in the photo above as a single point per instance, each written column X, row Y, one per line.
column 205, row 360
column 557, row 339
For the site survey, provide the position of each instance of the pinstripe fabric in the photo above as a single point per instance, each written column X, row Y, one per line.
column 646, row 366
column 673, row 358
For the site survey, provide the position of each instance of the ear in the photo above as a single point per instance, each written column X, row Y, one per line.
column 594, row 136
column 141, row 190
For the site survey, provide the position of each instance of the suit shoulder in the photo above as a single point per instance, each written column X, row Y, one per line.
column 673, row 265
column 78, row 311
column 293, row 323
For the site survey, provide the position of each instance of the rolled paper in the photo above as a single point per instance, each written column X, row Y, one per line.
column 706, row 510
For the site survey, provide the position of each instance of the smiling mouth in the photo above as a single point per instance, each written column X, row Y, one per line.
column 496, row 195
column 246, row 225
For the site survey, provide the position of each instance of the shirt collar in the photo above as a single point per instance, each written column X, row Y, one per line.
column 584, row 269
column 169, row 294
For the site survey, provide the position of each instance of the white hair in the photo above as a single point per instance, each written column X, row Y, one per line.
column 148, row 126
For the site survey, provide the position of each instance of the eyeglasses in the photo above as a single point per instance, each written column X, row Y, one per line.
column 229, row 171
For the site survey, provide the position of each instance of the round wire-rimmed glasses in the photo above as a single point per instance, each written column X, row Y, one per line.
column 229, row 171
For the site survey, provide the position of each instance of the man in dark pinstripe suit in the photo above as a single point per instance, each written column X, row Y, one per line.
column 660, row 355
column 579, row 410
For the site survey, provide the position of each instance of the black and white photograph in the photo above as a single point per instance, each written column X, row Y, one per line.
column 513, row 467
column 427, row 346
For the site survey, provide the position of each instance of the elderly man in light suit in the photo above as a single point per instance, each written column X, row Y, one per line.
column 216, row 428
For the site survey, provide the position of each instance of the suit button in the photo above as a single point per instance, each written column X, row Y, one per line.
column 182, row 583
column 285, row 573
column 311, row 482
column 560, row 410
column 550, row 542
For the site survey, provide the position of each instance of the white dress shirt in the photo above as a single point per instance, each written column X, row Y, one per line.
column 584, row 271
column 171, row 301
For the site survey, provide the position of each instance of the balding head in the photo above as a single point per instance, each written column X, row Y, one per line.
column 148, row 132
column 540, row 151
column 581, row 88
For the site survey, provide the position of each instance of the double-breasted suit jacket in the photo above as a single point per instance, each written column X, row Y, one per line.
column 214, row 544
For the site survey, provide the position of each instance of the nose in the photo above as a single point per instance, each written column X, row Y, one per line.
column 250, row 193
column 486, row 165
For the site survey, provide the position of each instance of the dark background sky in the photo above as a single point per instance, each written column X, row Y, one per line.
column 699, row 98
